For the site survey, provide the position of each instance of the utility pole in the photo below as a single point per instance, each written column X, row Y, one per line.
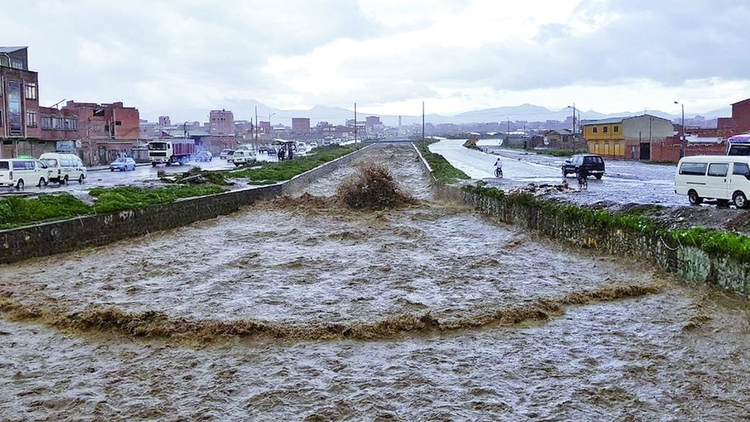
column 682, row 130
column 256, row 125
column 423, row 140
column 355, row 123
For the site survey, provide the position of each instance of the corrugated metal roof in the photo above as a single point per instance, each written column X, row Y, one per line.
column 604, row 121
column 9, row 50
column 611, row 120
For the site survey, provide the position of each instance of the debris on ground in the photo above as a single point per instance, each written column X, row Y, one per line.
column 194, row 176
column 373, row 188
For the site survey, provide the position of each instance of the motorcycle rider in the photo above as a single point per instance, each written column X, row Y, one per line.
column 498, row 168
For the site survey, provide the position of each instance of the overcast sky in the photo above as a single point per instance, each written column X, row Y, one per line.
column 184, row 58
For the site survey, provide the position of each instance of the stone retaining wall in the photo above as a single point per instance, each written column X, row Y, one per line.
column 101, row 229
column 690, row 263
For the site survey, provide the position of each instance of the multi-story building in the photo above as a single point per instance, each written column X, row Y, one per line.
column 96, row 132
column 626, row 137
column 301, row 125
column 738, row 123
column 104, row 131
column 221, row 123
column 19, row 109
column 372, row 120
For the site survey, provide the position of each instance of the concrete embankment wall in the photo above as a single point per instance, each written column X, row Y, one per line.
column 101, row 229
column 689, row 262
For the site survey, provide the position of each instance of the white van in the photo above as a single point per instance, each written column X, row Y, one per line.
column 18, row 172
column 242, row 157
column 721, row 177
column 65, row 167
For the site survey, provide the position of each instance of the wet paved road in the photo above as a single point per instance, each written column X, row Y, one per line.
column 623, row 182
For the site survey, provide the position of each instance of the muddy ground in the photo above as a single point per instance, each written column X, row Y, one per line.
column 301, row 309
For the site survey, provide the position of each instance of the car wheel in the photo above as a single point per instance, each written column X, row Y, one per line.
column 694, row 198
column 565, row 174
column 80, row 179
column 19, row 185
column 740, row 200
column 111, row 169
column 599, row 176
column 65, row 180
column 41, row 182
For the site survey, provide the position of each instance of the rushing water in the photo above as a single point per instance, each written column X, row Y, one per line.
column 301, row 265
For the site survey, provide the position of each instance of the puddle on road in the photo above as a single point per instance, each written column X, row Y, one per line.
column 433, row 289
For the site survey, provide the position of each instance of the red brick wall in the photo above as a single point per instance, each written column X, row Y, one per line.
column 129, row 127
column 669, row 149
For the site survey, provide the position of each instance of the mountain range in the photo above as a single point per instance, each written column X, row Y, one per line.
column 525, row 112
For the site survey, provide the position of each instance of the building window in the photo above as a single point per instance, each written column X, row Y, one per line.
column 30, row 119
column 47, row 122
column 605, row 129
column 57, row 123
column 595, row 129
column 31, row 91
column 616, row 129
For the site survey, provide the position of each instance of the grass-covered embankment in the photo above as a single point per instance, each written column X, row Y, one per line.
column 17, row 212
column 442, row 170
column 274, row 172
column 714, row 242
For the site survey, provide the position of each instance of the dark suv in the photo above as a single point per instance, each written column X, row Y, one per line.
column 593, row 163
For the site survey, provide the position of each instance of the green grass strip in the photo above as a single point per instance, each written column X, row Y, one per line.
column 15, row 212
column 442, row 170
column 274, row 172
column 714, row 242
column 130, row 197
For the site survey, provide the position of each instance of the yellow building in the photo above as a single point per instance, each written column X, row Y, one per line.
column 627, row 138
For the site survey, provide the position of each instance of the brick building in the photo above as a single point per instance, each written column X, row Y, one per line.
column 221, row 123
column 372, row 120
column 738, row 123
column 105, row 131
column 96, row 132
column 19, row 109
column 301, row 125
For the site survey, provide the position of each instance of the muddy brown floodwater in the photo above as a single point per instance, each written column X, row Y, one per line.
column 296, row 309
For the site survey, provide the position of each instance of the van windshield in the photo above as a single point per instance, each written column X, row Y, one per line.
column 50, row 162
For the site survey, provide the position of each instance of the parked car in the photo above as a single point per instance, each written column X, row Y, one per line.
column 225, row 153
column 593, row 163
column 122, row 164
column 65, row 167
column 203, row 156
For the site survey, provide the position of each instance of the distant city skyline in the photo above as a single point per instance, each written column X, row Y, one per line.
column 186, row 58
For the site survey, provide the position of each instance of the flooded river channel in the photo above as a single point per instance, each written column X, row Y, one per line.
column 300, row 309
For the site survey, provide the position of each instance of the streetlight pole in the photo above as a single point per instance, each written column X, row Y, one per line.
column 682, row 129
column 269, row 123
column 574, row 126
